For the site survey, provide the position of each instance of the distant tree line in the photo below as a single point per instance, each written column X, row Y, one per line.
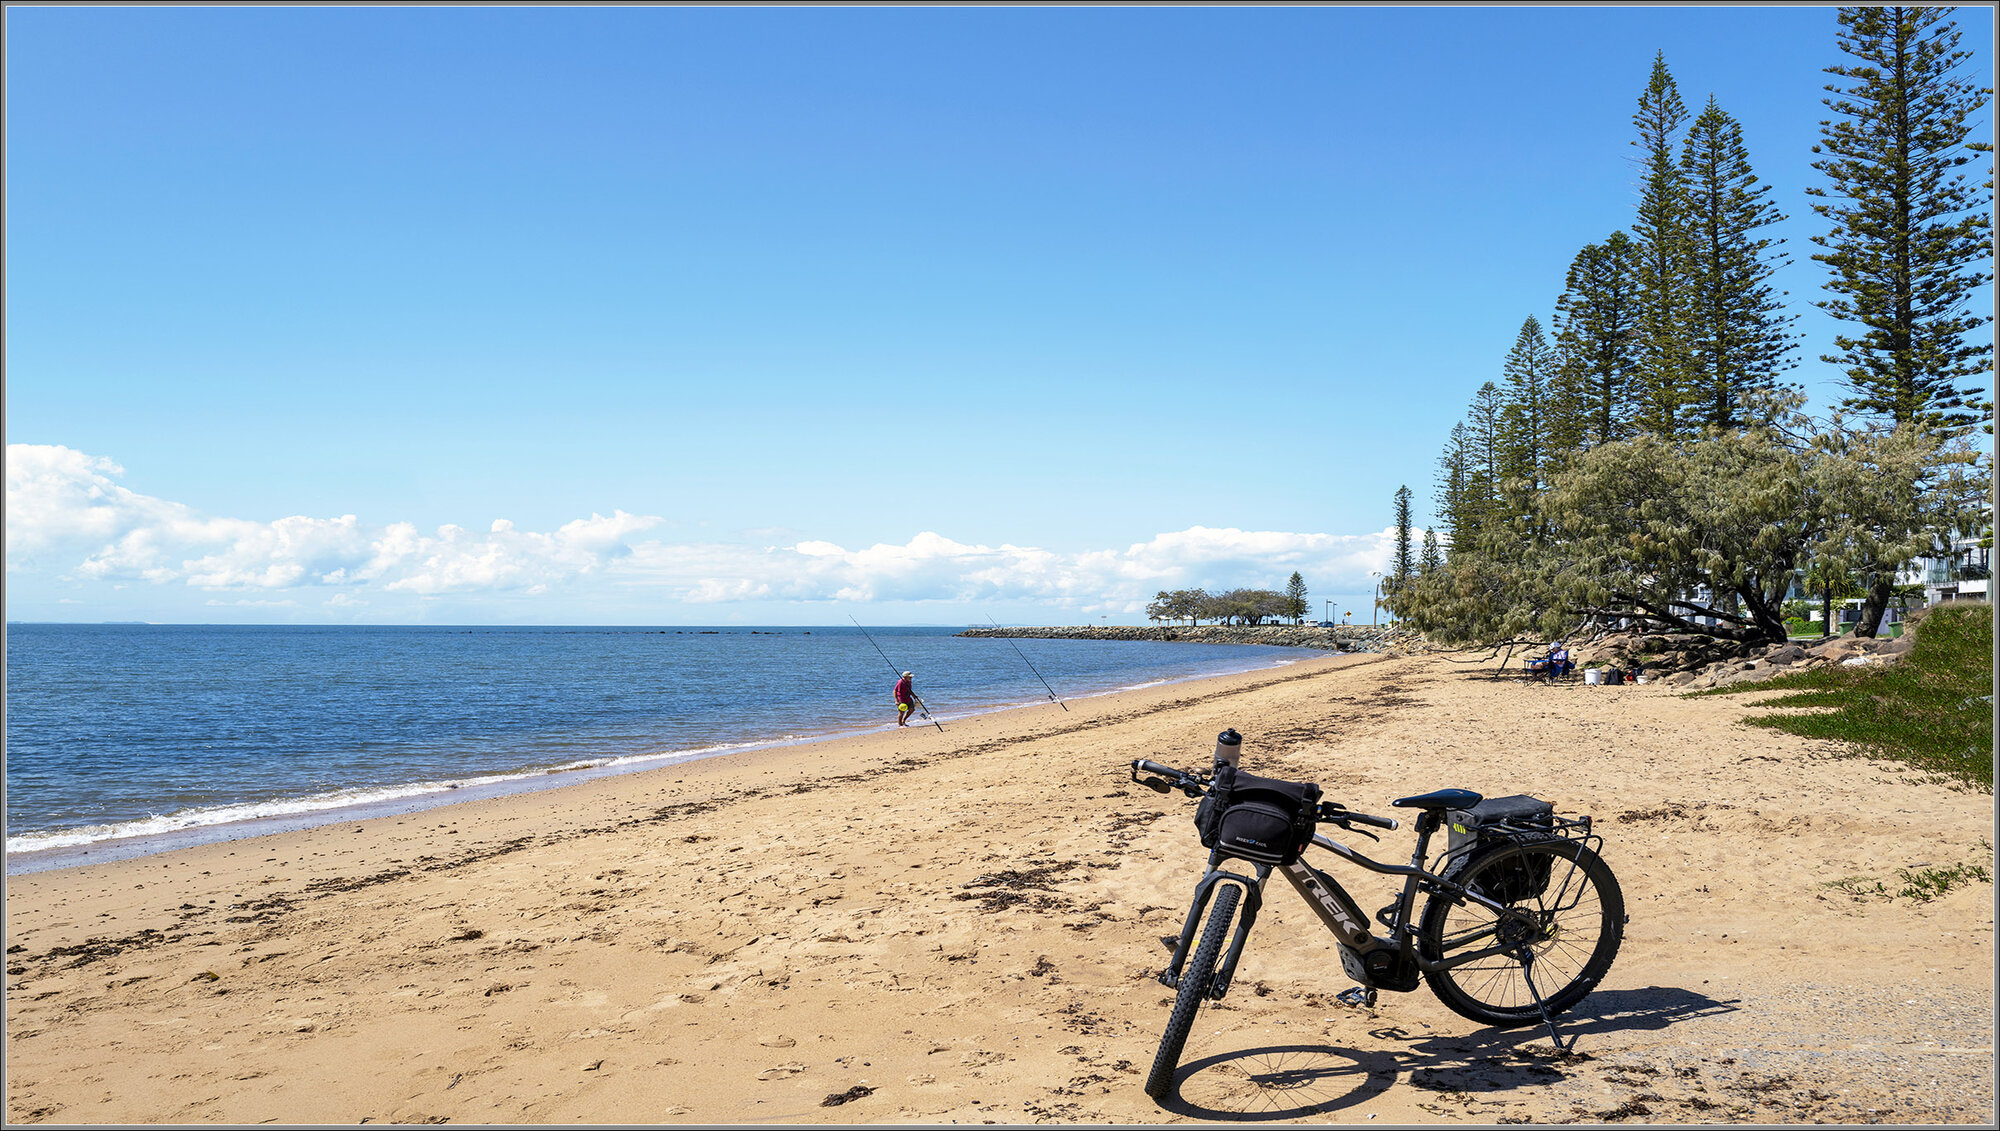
column 1641, row 459
column 1234, row 606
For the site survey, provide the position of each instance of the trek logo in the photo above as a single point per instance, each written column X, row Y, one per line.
column 1302, row 877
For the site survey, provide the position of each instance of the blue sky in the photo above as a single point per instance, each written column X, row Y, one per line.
column 685, row 315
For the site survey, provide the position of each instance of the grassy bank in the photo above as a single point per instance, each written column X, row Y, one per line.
column 1930, row 709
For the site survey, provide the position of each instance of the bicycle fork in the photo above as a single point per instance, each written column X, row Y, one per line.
column 1204, row 892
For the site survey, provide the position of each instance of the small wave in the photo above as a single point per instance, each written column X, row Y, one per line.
column 205, row 817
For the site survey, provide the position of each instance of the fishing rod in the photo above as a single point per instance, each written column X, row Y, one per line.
column 924, row 710
column 1031, row 666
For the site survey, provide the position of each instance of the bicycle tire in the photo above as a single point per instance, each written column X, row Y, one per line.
column 1581, row 909
column 1196, row 977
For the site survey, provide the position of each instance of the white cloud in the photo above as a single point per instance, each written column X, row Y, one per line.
column 63, row 507
column 933, row 567
column 67, row 512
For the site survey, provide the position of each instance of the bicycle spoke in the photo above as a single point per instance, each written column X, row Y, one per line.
column 1575, row 933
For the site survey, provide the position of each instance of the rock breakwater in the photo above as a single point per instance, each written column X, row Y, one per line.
column 1344, row 638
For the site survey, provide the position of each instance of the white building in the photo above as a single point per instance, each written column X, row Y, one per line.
column 1960, row 575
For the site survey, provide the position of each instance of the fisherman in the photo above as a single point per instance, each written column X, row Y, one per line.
column 906, row 699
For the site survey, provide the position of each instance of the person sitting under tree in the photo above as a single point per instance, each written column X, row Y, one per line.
column 1559, row 664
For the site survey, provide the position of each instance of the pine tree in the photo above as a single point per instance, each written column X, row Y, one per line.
column 1295, row 597
column 1910, row 239
column 1431, row 559
column 1451, row 488
column 1740, row 332
column 1596, row 331
column 1524, row 417
column 1666, row 367
column 1483, row 467
column 1400, row 568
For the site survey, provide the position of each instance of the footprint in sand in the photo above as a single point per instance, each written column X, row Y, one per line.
column 779, row 1072
column 778, row 1042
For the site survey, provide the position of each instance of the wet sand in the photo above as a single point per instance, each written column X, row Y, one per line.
column 929, row 928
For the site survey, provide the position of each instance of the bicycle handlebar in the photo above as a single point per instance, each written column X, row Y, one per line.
column 1341, row 815
column 1331, row 811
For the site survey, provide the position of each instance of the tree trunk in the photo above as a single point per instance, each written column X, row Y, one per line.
column 1826, row 609
column 1872, row 607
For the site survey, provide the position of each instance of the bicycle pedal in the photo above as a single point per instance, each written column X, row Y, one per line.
column 1361, row 997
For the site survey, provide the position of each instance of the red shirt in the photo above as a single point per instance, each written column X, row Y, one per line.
column 904, row 693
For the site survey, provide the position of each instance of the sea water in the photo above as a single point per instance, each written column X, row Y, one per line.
column 127, row 739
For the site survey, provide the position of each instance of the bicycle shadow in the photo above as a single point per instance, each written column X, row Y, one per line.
column 1296, row 1081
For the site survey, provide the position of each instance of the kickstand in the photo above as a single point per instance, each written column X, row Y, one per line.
column 1527, row 974
column 1361, row 997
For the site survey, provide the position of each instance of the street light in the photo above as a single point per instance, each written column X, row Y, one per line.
column 1376, row 614
column 1329, row 612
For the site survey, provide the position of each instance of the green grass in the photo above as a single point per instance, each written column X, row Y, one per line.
column 1930, row 709
column 1811, row 631
column 1919, row 886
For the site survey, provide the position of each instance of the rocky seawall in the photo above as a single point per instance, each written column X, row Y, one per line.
column 1695, row 663
column 1345, row 638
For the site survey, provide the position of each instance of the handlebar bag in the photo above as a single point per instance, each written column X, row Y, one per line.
column 1496, row 821
column 1264, row 820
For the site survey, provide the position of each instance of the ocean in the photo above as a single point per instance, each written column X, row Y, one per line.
column 128, row 739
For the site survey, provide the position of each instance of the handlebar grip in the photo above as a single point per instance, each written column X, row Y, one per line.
column 1378, row 822
column 1155, row 768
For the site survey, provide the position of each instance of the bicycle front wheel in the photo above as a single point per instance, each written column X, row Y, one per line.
column 1578, row 918
column 1196, row 977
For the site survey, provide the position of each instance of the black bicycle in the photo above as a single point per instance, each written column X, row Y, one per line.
column 1522, row 917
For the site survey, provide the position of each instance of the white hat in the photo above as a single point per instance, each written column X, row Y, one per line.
column 909, row 675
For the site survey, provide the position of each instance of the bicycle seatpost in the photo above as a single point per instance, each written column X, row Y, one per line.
column 1228, row 747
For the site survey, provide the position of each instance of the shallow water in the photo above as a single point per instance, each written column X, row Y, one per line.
column 143, row 731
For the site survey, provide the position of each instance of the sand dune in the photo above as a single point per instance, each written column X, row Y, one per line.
column 925, row 927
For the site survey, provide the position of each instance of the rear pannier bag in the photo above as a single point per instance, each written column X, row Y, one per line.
column 1503, row 820
column 1263, row 820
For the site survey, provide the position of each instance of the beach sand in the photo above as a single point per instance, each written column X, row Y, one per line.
column 963, row 927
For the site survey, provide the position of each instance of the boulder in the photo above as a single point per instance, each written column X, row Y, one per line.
column 1786, row 654
column 1835, row 650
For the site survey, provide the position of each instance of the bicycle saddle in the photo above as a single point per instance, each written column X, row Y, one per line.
column 1439, row 799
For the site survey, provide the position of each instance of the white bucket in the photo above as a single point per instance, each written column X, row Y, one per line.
column 1593, row 676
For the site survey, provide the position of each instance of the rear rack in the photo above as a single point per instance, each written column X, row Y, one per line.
column 1576, row 829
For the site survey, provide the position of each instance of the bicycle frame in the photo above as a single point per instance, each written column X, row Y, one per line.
column 1338, row 912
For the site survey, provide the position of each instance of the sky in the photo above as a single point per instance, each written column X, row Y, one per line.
column 633, row 315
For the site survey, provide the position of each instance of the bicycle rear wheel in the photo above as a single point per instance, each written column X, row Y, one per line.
column 1579, row 917
column 1196, row 977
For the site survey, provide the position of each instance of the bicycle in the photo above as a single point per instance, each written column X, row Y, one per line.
column 1522, row 920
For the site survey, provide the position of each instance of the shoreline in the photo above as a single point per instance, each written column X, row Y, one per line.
column 964, row 927
column 1344, row 638
column 201, row 826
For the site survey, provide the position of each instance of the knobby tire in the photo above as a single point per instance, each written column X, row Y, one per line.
column 1581, row 909
column 1196, row 977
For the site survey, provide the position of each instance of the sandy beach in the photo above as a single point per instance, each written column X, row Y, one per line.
column 925, row 927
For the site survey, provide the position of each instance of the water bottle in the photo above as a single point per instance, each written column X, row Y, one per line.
column 1228, row 747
